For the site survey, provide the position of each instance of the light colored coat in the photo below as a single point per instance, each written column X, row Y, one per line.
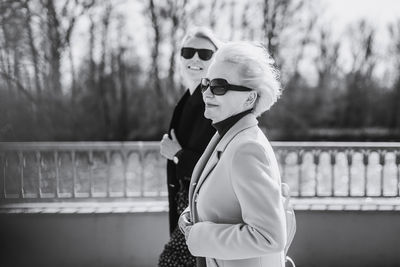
column 235, row 201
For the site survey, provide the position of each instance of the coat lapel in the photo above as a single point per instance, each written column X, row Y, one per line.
column 203, row 169
column 212, row 161
column 198, row 169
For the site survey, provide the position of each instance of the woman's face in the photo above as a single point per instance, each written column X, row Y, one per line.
column 195, row 68
column 220, row 107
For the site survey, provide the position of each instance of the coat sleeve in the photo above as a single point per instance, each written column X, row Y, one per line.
column 263, row 229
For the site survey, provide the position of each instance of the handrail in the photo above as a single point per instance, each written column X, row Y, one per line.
column 87, row 170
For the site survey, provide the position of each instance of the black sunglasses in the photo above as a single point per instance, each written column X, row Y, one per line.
column 189, row 52
column 221, row 86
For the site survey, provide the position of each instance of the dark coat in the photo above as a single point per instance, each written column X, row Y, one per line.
column 193, row 132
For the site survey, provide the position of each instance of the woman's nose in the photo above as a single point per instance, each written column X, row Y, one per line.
column 196, row 57
column 208, row 93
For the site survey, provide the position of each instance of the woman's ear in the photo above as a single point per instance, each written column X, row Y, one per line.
column 251, row 99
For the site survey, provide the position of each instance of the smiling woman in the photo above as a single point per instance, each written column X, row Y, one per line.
column 196, row 53
column 195, row 56
column 187, row 138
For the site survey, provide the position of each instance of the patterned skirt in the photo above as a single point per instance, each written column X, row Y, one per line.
column 176, row 253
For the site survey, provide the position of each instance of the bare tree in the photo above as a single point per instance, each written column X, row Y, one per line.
column 213, row 14
column 155, row 71
column 92, row 65
column 305, row 40
column 5, row 56
column 32, row 46
column 232, row 17
column 105, row 22
column 12, row 47
column 177, row 14
column 120, row 73
column 327, row 60
column 21, row 89
column 327, row 67
column 73, row 73
column 394, row 30
column 277, row 16
column 60, row 24
column 246, row 22
column 359, row 80
column 123, row 112
column 55, row 45
column 362, row 50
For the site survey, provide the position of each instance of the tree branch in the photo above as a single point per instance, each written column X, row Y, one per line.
column 20, row 87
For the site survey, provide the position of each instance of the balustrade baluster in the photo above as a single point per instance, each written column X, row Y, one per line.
column 21, row 171
column 282, row 158
column 382, row 162
column 141, row 161
column 5, row 165
column 349, row 156
column 398, row 172
column 125, row 170
column 57, row 192
column 365, row 162
column 316, row 155
column 300, row 176
column 91, row 163
column 160, row 181
column 108, row 162
column 73, row 159
column 39, row 166
column 4, row 161
column 333, row 163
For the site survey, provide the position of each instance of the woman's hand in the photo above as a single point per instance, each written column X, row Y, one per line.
column 169, row 147
column 184, row 223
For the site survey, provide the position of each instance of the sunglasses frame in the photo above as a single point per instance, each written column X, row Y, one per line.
column 207, row 83
column 204, row 54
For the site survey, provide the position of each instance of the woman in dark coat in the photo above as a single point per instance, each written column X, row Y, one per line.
column 187, row 138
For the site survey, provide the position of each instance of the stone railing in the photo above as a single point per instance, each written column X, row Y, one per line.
column 115, row 170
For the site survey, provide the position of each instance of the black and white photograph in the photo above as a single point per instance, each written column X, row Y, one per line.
column 200, row 133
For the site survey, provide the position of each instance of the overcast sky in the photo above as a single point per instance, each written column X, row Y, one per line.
column 342, row 13
column 338, row 14
column 381, row 11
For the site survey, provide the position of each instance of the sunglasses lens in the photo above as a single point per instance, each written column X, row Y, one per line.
column 187, row 52
column 218, row 90
column 205, row 54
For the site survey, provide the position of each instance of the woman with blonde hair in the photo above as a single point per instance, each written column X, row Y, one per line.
column 236, row 214
column 187, row 138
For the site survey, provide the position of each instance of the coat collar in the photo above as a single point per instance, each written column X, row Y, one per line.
column 246, row 122
column 211, row 156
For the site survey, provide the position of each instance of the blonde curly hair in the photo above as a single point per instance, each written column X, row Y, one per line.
column 202, row 32
column 256, row 71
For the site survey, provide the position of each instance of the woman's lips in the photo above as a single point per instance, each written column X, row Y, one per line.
column 196, row 68
column 209, row 105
